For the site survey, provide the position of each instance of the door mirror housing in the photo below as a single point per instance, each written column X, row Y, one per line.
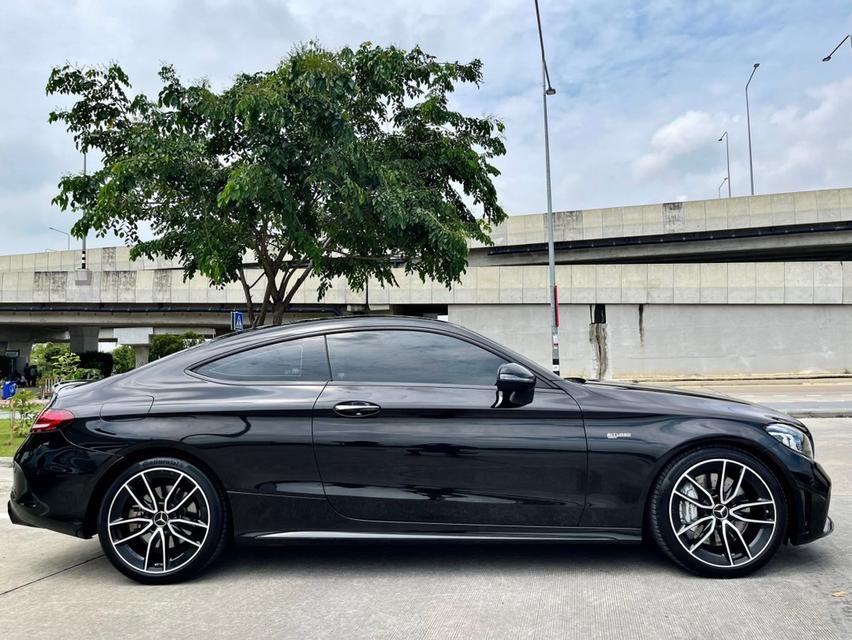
column 515, row 385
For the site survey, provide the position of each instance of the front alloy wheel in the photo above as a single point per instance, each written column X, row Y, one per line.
column 719, row 512
column 162, row 520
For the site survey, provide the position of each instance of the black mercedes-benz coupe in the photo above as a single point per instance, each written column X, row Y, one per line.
column 396, row 428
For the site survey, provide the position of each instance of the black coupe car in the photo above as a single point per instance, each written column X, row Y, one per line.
column 406, row 428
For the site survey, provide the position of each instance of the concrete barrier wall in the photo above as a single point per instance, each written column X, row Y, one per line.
column 734, row 283
column 830, row 205
column 777, row 209
column 664, row 341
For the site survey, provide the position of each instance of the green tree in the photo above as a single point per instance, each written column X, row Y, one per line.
column 45, row 353
column 336, row 163
column 168, row 343
column 65, row 365
column 123, row 358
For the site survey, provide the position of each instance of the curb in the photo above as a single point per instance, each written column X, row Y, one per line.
column 819, row 414
column 5, row 462
column 745, row 381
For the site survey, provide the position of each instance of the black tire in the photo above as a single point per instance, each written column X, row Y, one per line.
column 741, row 531
column 183, row 533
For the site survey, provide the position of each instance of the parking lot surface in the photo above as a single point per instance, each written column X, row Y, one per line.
column 55, row 586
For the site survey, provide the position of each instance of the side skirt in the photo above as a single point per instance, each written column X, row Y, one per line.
column 580, row 535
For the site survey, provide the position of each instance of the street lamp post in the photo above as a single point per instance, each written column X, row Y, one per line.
column 83, row 252
column 728, row 159
column 748, row 122
column 722, row 184
column 548, row 90
column 65, row 233
column 833, row 51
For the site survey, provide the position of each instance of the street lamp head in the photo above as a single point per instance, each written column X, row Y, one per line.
column 722, row 137
column 833, row 51
column 550, row 91
column 756, row 65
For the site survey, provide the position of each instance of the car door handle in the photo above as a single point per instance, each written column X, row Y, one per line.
column 356, row 409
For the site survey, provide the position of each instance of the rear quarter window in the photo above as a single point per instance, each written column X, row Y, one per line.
column 299, row 360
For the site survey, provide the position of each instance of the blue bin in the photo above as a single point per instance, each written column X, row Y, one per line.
column 9, row 389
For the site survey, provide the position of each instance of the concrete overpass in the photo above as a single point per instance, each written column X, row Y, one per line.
column 753, row 285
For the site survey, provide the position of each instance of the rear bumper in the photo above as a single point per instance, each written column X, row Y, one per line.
column 53, row 482
column 26, row 514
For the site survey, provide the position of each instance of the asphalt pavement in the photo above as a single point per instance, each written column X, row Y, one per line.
column 55, row 586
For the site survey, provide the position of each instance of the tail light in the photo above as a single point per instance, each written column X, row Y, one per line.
column 51, row 420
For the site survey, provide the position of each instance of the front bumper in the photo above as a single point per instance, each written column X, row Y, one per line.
column 810, row 503
column 53, row 482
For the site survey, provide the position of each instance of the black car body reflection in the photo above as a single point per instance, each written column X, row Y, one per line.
column 389, row 426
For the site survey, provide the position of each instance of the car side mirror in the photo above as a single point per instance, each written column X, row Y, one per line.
column 515, row 385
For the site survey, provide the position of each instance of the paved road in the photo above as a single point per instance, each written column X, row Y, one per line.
column 55, row 586
column 803, row 398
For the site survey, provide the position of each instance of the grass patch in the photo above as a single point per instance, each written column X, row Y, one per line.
column 7, row 447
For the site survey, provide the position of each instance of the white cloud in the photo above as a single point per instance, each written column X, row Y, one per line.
column 644, row 87
column 687, row 133
column 812, row 143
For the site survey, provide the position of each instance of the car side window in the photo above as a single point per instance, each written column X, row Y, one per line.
column 300, row 360
column 409, row 356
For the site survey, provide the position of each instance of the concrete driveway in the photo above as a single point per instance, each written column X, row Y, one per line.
column 55, row 586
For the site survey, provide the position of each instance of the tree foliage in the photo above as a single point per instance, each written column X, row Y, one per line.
column 45, row 353
column 64, row 366
column 168, row 343
column 336, row 163
column 123, row 358
column 23, row 410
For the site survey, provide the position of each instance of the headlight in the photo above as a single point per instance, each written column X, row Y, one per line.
column 792, row 437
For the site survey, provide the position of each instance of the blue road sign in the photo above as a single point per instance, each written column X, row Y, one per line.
column 236, row 320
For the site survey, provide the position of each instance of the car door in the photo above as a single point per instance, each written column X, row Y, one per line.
column 406, row 430
column 254, row 417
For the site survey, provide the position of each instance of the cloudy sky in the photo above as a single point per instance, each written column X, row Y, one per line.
column 644, row 87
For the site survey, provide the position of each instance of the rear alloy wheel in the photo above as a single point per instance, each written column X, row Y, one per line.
column 162, row 520
column 719, row 512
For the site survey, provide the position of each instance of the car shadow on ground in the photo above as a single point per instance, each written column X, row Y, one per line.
column 400, row 558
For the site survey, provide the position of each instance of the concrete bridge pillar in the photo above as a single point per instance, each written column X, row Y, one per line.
column 137, row 337
column 84, row 339
column 142, row 352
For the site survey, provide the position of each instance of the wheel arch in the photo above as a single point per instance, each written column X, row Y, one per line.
column 748, row 446
column 124, row 462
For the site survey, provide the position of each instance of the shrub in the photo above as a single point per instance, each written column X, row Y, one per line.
column 23, row 410
column 87, row 373
column 45, row 353
column 123, row 358
column 65, row 365
column 168, row 343
column 99, row 360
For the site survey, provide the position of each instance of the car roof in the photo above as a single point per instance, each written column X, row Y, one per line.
column 305, row 326
column 177, row 363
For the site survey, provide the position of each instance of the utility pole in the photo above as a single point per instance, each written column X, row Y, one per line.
column 728, row 158
column 748, row 121
column 722, row 184
column 83, row 252
column 548, row 90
